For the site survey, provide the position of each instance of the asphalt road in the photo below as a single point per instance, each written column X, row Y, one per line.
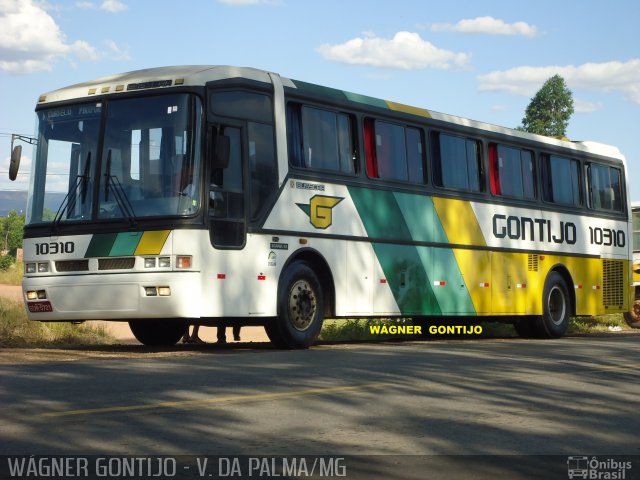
column 571, row 396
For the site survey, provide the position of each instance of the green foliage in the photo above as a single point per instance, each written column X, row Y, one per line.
column 550, row 109
column 11, row 228
column 6, row 262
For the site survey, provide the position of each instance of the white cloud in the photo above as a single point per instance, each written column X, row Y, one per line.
column 488, row 26
column 405, row 51
column 84, row 51
column 114, row 52
column 31, row 40
column 615, row 76
column 113, row 6
column 584, row 106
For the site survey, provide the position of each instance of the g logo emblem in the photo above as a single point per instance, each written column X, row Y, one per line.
column 320, row 210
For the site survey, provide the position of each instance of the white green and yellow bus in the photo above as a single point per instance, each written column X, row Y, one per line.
column 633, row 316
column 219, row 195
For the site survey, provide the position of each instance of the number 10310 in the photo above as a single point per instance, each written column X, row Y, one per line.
column 53, row 248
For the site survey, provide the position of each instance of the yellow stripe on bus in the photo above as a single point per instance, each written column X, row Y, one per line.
column 399, row 107
column 459, row 221
column 151, row 243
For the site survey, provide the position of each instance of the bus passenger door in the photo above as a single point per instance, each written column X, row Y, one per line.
column 227, row 227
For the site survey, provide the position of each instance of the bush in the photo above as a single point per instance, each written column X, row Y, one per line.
column 6, row 262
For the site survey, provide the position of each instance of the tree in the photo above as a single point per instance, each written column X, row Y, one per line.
column 11, row 232
column 550, row 109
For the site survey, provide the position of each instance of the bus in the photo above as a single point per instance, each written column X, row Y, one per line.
column 218, row 195
column 632, row 317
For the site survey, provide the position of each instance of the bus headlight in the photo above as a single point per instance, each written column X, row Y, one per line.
column 149, row 263
column 43, row 267
column 30, row 268
column 164, row 291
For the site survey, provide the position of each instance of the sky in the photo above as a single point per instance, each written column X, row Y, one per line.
column 482, row 60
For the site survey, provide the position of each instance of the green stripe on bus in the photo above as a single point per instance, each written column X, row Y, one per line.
column 421, row 218
column 100, row 245
column 412, row 272
column 407, row 277
column 125, row 244
column 380, row 213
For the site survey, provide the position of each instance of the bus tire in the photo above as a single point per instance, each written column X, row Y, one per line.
column 300, row 308
column 556, row 308
column 158, row 333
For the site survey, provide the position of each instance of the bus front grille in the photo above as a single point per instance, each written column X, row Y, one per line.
column 120, row 263
column 72, row 265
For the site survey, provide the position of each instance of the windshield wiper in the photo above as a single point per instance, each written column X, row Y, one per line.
column 69, row 201
column 112, row 182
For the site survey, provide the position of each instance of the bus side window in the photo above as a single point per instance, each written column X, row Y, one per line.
column 262, row 166
column 604, row 187
column 320, row 139
column 511, row 171
column 560, row 180
column 456, row 162
column 393, row 152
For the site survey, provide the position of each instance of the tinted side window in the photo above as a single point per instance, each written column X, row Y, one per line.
column 512, row 172
column 320, row 139
column 391, row 151
column 561, row 180
column 241, row 104
column 605, row 191
column 262, row 165
column 415, row 155
column 456, row 162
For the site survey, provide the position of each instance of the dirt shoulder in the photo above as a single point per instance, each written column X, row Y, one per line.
column 11, row 292
column 121, row 332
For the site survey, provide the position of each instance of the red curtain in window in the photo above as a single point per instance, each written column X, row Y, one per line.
column 494, row 173
column 370, row 148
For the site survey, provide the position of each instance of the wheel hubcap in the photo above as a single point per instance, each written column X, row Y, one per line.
column 302, row 305
column 557, row 305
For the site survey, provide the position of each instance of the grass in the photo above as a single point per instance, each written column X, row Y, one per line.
column 358, row 329
column 17, row 331
column 12, row 276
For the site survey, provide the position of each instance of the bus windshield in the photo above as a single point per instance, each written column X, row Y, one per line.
column 147, row 164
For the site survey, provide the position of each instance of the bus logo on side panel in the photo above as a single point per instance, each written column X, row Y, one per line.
column 320, row 210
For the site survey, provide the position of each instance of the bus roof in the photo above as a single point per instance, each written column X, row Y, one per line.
column 198, row 75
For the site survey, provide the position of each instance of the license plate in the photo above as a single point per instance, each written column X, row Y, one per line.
column 39, row 307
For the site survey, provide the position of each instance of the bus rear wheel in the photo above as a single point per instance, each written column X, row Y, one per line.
column 158, row 333
column 556, row 308
column 300, row 308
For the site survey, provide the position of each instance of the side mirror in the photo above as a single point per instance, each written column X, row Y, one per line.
column 222, row 152
column 14, row 165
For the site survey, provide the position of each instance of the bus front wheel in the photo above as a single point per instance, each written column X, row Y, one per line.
column 158, row 333
column 556, row 307
column 300, row 308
